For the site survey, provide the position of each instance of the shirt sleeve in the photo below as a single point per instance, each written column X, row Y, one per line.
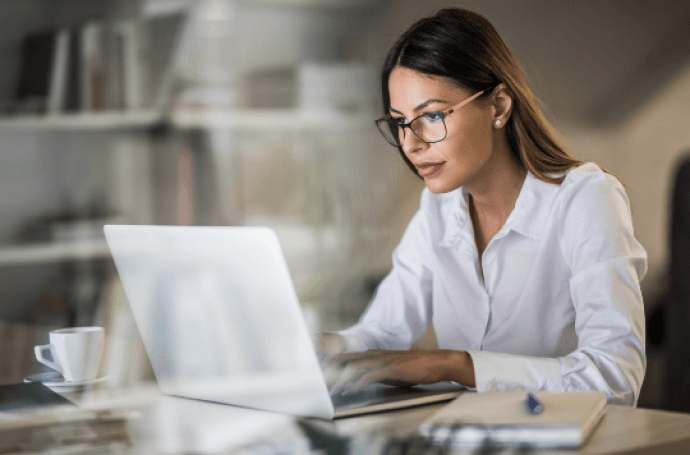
column 400, row 311
column 607, row 264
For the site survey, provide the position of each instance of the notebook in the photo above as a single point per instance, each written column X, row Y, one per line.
column 501, row 419
column 220, row 321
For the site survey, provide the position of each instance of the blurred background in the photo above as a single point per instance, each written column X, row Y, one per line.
column 259, row 112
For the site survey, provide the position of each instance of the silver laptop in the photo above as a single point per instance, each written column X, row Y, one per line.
column 221, row 322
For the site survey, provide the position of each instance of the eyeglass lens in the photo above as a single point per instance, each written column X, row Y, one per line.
column 429, row 128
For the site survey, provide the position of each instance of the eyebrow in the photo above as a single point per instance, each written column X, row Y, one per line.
column 421, row 106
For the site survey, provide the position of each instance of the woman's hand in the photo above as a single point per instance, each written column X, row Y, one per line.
column 358, row 370
column 328, row 345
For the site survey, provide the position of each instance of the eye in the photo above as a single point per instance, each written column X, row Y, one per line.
column 432, row 117
column 398, row 121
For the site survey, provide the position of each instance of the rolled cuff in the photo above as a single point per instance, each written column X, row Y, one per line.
column 495, row 371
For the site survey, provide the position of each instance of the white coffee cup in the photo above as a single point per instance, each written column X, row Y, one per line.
column 75, row 352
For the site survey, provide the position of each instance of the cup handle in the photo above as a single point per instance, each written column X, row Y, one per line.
column 38, row 350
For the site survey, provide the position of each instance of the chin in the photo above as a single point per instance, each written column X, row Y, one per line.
column 441, row 187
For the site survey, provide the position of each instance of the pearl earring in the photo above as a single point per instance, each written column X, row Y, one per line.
column 498, row 123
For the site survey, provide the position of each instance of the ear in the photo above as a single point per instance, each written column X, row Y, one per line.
column 502, row 101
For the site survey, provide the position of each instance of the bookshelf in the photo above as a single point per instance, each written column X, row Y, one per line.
column 241, row 119
column 290, row 120
column 89, row 146
column 81, row 121
column 268, row 119
column 150, row 45
column 53, row 252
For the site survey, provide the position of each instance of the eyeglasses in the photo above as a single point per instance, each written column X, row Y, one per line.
column 430, row 127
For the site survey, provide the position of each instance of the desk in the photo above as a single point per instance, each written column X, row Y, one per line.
column 623, row 430
column 168, row 420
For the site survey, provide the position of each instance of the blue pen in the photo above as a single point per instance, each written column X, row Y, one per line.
column 533, row 405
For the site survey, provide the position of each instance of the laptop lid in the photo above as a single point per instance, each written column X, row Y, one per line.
column 219, row 317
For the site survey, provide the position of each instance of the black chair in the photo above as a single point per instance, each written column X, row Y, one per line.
column 678, row 306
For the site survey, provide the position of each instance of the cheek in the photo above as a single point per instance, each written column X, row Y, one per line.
column 474, row 144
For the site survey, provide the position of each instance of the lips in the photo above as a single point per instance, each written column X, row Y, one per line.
column 428, row 169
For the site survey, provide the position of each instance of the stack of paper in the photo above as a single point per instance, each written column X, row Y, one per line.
column 65, row 430
column 501, row 419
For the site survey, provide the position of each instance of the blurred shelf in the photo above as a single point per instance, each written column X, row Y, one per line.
column 269, row 119
column 255, row 119
column 162, row 7
column 316, row 3
column 82, row 121
column 53, row 252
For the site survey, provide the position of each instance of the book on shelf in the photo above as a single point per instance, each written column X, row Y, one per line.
column 98, row 65
column 113, row 75
column 133, row 63
column 164, row 33
column 37, row 51
column 501, row 419
column 59, row 73
column 72, row 96
column 92, row 90
column 115, row 79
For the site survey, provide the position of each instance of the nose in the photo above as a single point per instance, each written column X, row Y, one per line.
column 411, row 143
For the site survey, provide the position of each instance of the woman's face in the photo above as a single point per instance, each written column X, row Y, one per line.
column 458, row 159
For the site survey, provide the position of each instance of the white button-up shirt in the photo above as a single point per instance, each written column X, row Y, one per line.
column 558, row 307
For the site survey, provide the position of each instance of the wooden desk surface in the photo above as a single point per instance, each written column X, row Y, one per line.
column 623, row 430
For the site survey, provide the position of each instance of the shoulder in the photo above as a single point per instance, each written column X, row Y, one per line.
column 589, row 178
column 595, row 222
column 589, row 194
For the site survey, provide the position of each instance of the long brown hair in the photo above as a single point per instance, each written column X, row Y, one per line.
column 465, row 48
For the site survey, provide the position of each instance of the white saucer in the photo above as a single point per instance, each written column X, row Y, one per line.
column 57, row 383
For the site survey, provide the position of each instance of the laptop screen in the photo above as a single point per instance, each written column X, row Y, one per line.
column 219, row 316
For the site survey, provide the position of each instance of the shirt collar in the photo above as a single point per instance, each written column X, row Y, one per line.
column 457, row 224
column 532, row 207
column 528, row 218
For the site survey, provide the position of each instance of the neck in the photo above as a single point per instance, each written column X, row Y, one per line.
column 495, row 193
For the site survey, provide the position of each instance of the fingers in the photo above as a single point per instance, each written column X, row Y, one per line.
column 349, row 374
column 331, row 372
column 352, row 372
column 336, row 368
column 328, row 345
column 377, row 375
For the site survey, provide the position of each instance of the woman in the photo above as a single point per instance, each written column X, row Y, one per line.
column 522, row 256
